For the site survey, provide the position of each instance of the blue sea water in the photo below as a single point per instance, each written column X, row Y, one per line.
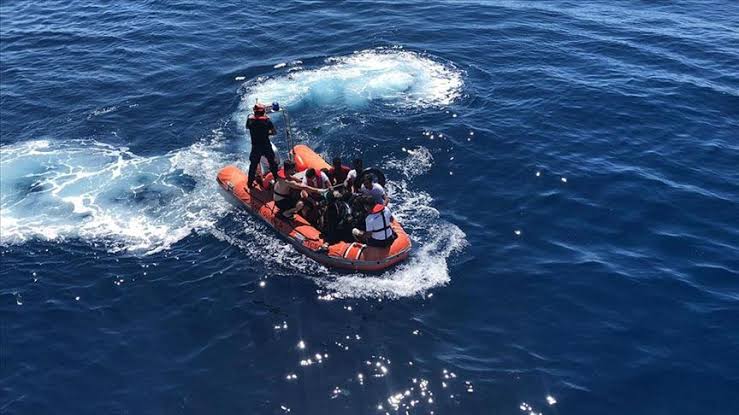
column 567, row 171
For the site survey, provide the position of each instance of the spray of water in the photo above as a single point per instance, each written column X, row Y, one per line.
column 87, row 190
column 436, row 240
column 398, row 77
column 54, row 190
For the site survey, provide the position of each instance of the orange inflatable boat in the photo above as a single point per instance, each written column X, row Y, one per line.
column 302, row 234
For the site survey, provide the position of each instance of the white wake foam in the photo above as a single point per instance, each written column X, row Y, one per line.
column 435, row 240
column 57, row 190
column 418, row 161
column 395, row 76
column 427, row 268
column 85, row 189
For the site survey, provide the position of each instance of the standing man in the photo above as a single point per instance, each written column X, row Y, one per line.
column 260, row 128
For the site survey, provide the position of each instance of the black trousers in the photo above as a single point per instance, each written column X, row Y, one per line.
column 255, row 157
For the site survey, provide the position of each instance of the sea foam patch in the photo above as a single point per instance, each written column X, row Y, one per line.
column 393, row 76
column 63, row 189
column 55, row 190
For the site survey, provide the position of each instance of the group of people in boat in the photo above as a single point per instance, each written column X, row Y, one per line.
column 342, row 202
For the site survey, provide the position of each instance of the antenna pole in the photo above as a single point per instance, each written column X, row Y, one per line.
column 289, row 135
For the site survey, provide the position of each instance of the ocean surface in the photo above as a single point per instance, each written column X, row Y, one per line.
column 568, row 172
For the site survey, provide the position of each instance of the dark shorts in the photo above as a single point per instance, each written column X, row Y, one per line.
column 286, row 204
column 381, row 244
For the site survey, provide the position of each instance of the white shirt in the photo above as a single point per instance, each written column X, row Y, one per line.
column 320, row 178
column 377, row 192
column 351, row 177
column 379, row 229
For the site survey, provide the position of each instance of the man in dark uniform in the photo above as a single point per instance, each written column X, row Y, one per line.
column 260, row 128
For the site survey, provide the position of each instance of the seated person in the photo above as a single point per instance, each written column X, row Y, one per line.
column 325, row 172
column 370, row 188
column 378, row 232
column 338, row 173
column 318, row 180
column 336, row 220
column 361, row 206
column 312, row 202
column 350, row 182
column 284, row 182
